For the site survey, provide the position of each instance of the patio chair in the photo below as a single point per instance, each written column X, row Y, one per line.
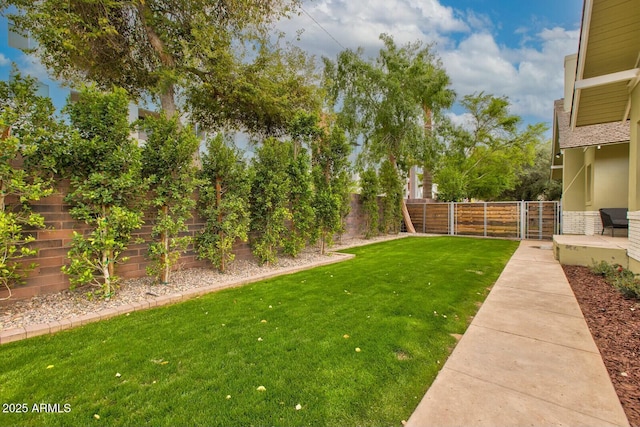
column 613, row 218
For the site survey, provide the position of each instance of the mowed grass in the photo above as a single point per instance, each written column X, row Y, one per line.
column 200, row 362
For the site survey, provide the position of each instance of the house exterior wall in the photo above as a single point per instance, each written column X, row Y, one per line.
column 634, row 241
column 593, row 179
column 634, row 152
column 611, row 176
column 634, row 187
column 570, row 66
column 573, row 180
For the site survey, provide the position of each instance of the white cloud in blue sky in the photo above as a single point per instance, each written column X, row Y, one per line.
column 507, row 48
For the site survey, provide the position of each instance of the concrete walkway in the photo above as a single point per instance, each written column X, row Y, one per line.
column 527, row 358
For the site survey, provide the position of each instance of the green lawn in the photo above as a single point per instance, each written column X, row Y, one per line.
column 200, row 362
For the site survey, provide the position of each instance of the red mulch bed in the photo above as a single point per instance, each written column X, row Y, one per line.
column 615, row 325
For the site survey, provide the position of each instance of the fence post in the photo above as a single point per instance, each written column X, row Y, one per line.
column 485, row 219
column 451, row 219
column 540, row 213
column 424, row 218
column 523, row 220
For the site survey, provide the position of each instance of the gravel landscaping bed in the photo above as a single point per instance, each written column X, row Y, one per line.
column 68, row 304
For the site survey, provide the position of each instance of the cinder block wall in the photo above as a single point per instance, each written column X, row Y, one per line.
column 54, row 242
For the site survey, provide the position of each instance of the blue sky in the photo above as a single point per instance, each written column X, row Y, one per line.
column 512, row 48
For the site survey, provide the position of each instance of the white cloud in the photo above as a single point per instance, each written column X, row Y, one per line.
column 530, row 73
column 4, row 61
column 465, row 120
column 358, row 24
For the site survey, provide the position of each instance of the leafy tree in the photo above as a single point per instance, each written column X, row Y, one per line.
column 269, row 204
column 224, row 202
column 167, row 164
column 391, row 185
column 385, row 103
column 302, row 225
column 332, row 179
column 29, row 135
column 533, row 183
column 106, row 186
column 483, row 159
column 204, row 49
column 304, row 130
column 427, row 151
column 369, row 197
column 262, row 95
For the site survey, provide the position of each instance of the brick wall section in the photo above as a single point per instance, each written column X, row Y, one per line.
column 355, row 221
column 592, row 223
column 54, row 242
column 585, row 223
column 634, row 235
column 573, row 222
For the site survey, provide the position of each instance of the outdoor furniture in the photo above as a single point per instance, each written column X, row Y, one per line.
column 614, row 218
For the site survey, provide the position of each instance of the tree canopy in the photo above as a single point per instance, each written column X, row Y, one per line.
column 483, row 158
column 383, row 103
column 204, row 49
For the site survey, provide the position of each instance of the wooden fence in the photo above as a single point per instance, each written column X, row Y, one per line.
column 518, row 220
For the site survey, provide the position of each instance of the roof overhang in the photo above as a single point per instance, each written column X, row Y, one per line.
column 608, row 62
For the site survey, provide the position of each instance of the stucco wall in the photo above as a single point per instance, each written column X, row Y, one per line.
column 634, row 186
column 573, row 180
column 611, row 176
column 634, row 152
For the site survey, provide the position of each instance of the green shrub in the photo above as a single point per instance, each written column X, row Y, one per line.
column 602, row 268
column 167, row 162
column 623, row 279
column 29, row 134
column 223, row 203
column 332, row 181
column 369, row 196
column 104, row 164
column 303, row 218
column 391, row 185
column 269, row 204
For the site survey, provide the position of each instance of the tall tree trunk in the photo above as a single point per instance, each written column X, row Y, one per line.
column 405, row 212
column 427, row 176
column 168, row 102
